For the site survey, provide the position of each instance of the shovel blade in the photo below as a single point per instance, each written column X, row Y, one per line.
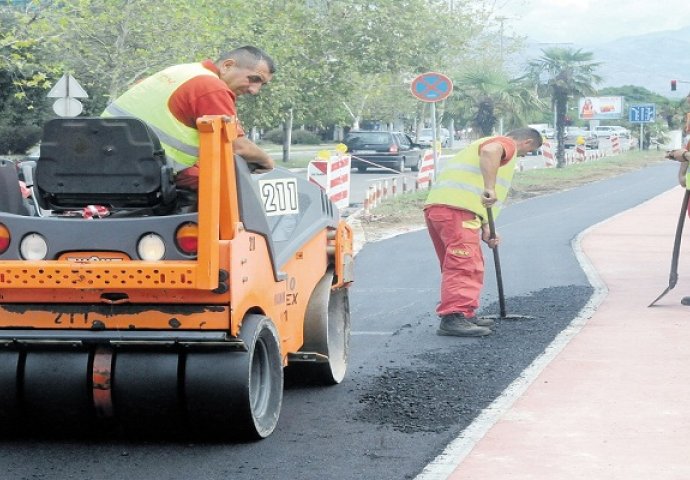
column 668, row 289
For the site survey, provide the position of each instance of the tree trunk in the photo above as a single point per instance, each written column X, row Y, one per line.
column 561, row 102
column 287, row 137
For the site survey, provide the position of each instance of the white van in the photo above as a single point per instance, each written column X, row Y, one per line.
column 426, row 136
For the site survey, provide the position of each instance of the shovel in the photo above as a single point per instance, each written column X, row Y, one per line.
column 673, row 276
column 499, row 277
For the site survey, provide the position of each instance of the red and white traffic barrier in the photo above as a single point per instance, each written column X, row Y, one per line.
column 332, row 174
column 426, row 170
column 580, row 152
column 547, row 153
column 615, row 145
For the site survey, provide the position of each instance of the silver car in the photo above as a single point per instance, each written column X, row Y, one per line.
column 580, row 136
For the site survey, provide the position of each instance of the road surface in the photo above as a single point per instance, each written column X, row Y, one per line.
column 408, row 392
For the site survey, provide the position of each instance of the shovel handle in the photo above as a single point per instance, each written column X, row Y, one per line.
column 492, row 226
column 497, row 264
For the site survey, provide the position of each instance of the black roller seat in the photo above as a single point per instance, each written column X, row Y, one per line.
column 112, row 161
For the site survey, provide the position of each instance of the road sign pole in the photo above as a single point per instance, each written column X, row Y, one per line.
column 432, row 87
column 434, row 147
column 641, row 136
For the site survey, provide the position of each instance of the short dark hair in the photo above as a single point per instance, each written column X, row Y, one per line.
column 248, row 57
column 526, row 133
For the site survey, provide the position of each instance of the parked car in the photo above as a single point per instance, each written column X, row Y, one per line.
column 607, row 131
column 426, row 137
column 573, row 134
column 370, row 149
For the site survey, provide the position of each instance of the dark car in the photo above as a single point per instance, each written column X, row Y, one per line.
column 383, row 149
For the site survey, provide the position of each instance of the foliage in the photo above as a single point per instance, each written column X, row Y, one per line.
column 18, row 139
column 490, row 95
column 23, row 74
column 338, row 61
column 569, row 73
column 110, row 44
column 298, row 137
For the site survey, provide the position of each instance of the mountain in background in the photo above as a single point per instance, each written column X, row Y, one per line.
column 651, row 60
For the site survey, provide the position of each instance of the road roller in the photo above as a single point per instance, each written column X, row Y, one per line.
column 127, row 303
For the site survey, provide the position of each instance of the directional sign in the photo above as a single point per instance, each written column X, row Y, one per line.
column 431, row 87
column 67, row 107
column 67, row 86
column 645, row 113
column 67, row 90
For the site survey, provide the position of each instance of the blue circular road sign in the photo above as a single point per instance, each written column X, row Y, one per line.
column 431, row 87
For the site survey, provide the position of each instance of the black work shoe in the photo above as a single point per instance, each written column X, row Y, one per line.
column 482, row 321
column 685, row 301
column 457, row 325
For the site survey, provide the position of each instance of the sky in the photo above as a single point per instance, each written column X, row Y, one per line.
column 586, row 22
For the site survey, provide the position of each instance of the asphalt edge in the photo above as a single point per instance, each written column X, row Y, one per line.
column 447, row 461
column 360, row 236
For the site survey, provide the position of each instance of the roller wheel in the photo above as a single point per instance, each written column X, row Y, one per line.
column 327, row 333
column 145, row 391
column 237, row 394
column 56, row 390
column 9, row 400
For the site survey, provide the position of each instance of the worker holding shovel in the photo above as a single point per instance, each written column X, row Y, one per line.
column 477, row 178
column 683, row 156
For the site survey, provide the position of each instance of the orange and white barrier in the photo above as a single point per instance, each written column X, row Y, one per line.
column 547, row 153
column 615, row 145
column 426, row 170
column 580, row 152
column 332, row 174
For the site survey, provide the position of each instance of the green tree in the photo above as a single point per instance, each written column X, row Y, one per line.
column 568, row 72
column 23, row 78
column 328, row 52
column 490, row 96
column 110, row 44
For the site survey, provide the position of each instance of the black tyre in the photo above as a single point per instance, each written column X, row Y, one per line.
column 326, row 334
column 10, row 366
column 233, row 394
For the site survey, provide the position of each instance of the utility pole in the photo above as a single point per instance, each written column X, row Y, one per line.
column 500, row 20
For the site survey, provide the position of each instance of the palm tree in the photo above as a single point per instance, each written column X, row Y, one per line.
column 490, row 95
column 570, row 73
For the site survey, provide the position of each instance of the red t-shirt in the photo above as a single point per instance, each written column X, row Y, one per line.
column 199, row 96
column 508, row 145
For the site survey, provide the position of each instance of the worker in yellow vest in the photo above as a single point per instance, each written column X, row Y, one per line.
column 172, row 100
column 682, row 155
column 477, row 177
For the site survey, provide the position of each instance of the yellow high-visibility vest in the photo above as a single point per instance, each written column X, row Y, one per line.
column 460, row 184
column 148, row 101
